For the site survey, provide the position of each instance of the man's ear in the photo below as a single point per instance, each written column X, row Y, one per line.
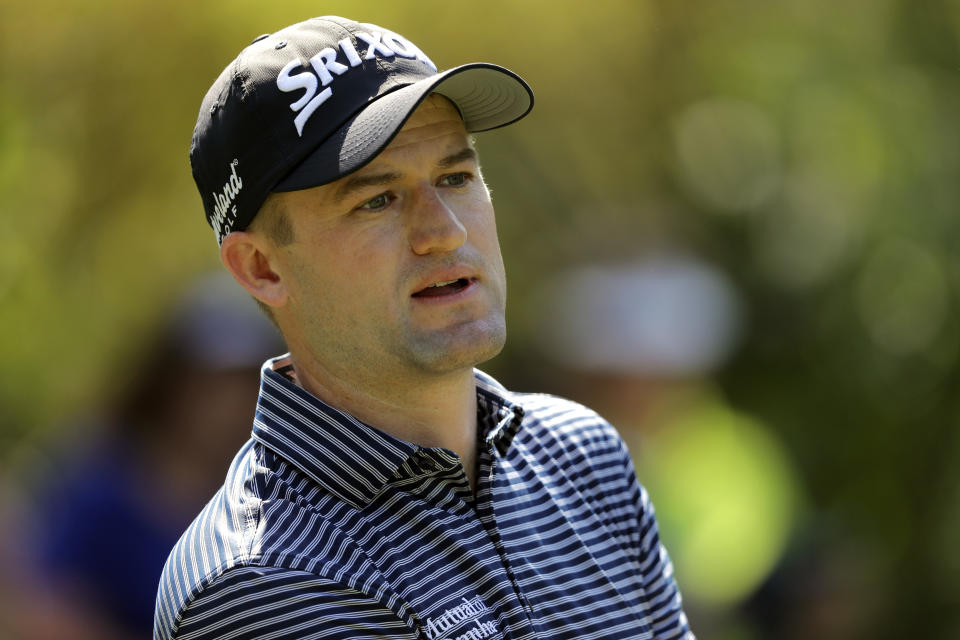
column 249, row 257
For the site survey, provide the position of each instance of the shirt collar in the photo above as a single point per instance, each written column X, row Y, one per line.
column 349, row 458
column 498, row 413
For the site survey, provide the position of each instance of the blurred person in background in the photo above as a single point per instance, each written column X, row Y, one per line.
column 640, row 341
column 126, row 483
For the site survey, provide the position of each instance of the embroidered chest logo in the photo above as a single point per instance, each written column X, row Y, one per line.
column 462, row 622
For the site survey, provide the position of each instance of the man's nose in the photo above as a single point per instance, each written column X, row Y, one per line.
column 432, row 225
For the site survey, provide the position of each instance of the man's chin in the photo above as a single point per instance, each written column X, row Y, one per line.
column 462, row 349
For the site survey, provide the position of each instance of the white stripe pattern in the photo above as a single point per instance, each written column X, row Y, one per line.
column 328, row 528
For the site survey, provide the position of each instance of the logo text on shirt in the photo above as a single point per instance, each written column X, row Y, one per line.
column 470, row 610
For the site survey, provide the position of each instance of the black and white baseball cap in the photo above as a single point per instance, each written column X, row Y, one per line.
column 319, row 99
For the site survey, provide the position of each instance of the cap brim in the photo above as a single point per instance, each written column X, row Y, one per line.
column 488, row 96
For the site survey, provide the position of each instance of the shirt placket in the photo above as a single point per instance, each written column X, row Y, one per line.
column 478, row 510
column 486, row 513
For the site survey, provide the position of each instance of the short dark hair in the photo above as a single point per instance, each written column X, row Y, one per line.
column 273, row 221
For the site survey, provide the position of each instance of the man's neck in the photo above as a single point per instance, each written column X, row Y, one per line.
column 431, row 411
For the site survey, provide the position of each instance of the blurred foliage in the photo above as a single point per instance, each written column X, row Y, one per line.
column 809, row 149
column 724, row 484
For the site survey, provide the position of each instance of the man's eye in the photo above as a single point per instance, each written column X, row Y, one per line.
column 455, row 179
column 377, row 203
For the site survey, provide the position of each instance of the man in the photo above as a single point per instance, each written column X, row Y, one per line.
column 390, row 490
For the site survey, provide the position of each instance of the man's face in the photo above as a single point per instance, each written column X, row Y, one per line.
column 396, row 270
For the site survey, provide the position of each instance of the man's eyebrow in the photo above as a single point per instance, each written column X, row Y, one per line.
column 356, row 183
column 466, row 153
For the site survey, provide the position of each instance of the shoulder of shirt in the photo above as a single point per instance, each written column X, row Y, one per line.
column 567, row 418
column 544, row 405
column 232, row 535
column 244, row 528
column 218, row 540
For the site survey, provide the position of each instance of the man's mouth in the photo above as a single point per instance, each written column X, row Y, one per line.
column 443, row 288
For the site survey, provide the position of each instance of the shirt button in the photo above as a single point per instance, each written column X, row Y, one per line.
column 429, row 465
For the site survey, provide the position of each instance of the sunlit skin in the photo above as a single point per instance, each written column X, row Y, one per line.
column 343, row 292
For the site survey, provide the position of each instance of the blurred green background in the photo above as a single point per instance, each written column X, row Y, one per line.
column 801, row 155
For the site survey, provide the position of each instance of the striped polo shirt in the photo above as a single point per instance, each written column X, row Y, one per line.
column 328, row 528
